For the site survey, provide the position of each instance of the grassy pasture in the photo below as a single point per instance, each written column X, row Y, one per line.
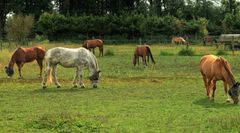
column 166, row 97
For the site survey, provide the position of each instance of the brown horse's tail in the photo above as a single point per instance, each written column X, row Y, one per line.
column 227, row 68
column 150, row 53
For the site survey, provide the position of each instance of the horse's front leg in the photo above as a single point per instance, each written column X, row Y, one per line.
column 75, row 78
column 40, row 63
column 20, row 65
column 226, row 91
column 80, row 74
column 54, row 74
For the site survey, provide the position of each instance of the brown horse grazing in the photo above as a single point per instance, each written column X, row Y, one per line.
column 215, row 68
column 91, row 44
column 142, row 51
column 178, row 40
column 25, row 55
column 209, row 39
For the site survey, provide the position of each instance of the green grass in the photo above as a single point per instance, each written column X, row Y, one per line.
column 166, row 97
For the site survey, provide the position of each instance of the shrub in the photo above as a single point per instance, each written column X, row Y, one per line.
column 109, row 52
column 18, row 27
column 186, row 52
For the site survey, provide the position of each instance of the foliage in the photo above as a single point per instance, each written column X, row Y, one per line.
column 18, row 27
column 128, row 25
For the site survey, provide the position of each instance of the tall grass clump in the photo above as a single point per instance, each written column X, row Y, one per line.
column 165, row 53
column 186, row 52
column 109, row 52
column 221, row 52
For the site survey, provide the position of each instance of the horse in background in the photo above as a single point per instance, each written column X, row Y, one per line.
column 25, row 55
column 142, row 51
column 209, row 39
column 178, row 40
column 215, row 68
column 69, row 58
column 92, row 44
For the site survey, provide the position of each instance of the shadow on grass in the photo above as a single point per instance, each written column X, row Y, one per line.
column 206, row 103
column 61, row 90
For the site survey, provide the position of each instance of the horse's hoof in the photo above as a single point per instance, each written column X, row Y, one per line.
column 228, row 100
column 20, row 77
column 95, row 86
column 82, row 86
column 44, row 87
column 59, row 86
column 74, row 86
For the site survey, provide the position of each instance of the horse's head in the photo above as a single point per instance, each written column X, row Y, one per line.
column 94, row 78
column 9, row 71
column 234, row 92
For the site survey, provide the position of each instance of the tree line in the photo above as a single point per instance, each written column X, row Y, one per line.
column 131, row 18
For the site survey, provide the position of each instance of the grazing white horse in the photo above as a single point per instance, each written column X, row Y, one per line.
column 69, row 58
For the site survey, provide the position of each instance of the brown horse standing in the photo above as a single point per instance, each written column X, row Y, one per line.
column 142, row 51
column 178, row 40
column 215, row 68
column 25, row 55
column 91, row 44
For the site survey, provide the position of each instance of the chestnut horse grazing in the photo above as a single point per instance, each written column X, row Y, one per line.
column 215, row 68
column 25, row 55
column 71, row 58
column 142, row 51
column 91, row 44
column 178, row 40
column 209, row 39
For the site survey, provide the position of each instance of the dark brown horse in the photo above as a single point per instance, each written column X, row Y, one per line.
column 209, row 39
column 92, row 44
column 25, row 55
column 142, row 51
column 215, row 68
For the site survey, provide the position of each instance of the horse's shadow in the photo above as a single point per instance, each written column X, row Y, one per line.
column 61, row 90
column 206, row 103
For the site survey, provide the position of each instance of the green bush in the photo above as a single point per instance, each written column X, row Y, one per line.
column 221, row 52
column 186, row 52
column 109, row 52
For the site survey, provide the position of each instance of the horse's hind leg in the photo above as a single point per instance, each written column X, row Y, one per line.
column 40, row 63
column 75, row 78
column 46, row 74
column 210, row 89
column 54, row 74
column 205, row 82
column 214, row 88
